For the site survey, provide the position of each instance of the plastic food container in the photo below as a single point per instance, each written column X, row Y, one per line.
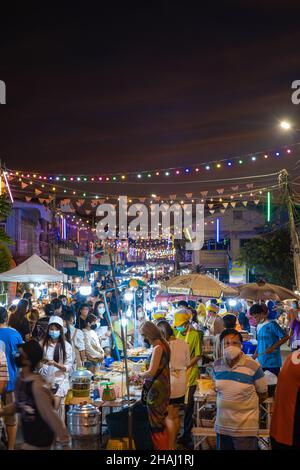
column 81, row 380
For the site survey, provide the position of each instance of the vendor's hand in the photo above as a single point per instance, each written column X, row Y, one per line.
column 255, row 356
column 51, row 363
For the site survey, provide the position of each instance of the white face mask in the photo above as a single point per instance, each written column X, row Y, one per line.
column 231, row 352
column 71, row 328
column 65, row 330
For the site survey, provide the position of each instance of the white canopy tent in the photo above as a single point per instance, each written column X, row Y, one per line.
column 34, row 269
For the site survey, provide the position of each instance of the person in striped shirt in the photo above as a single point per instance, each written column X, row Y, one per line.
column 240, row 385
column 3, row 372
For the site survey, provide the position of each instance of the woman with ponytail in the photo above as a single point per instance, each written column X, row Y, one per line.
column 157, row 384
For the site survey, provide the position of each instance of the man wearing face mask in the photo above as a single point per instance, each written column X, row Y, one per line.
column 64, row 301
column 93, row 349
column 270, row 336
column 184, row 332
column 241, row 386
column 34, row 402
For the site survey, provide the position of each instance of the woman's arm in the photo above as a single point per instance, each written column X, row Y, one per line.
column 155, row 361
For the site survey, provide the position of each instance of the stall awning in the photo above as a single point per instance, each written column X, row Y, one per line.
column 34, row 269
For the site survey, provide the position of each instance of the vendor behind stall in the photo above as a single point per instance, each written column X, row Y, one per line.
column 184, row 332
column 118, row 334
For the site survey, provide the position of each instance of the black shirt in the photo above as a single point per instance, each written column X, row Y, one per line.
column 23, row 328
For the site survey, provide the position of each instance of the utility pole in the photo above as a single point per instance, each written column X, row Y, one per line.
column 287, row 198
column 52, row 235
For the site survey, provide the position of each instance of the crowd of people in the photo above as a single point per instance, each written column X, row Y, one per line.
column 38, row 352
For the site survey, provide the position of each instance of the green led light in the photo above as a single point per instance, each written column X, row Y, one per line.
column 268, row 206
column 240, row 162
column 114, row 178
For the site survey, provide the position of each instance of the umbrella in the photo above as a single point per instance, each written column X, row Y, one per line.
column 265, row 291
column 133, row 283
column 199, row 284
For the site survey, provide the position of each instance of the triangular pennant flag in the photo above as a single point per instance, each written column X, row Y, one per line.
column 222, row 211
column 50, row 198
column 250, row 185
column 28, row 198
column 78, row 203
column 37, row 192
column 210, row 206
column 189, row 195
column 173, row 196
column 204, row 193
column 87, row 211
column 41, row 200
column 102, row 201
column 212, row 212
column 225, row 204
column 142, row 199
column 233, row 204
column 234, row 188
column 220, row 191
column 24, row 185
column 245, row 203
column 256, row 201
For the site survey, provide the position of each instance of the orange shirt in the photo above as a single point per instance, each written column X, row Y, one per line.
column 285, row 425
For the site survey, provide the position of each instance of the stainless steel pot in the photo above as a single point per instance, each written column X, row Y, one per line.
column 83, row 421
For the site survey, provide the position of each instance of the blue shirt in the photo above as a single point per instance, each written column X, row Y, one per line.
column 11, row 339
column 268, row 334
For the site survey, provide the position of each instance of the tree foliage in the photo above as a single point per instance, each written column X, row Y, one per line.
column 271, row 258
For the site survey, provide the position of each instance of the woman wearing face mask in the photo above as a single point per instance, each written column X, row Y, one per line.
column 157, row 383
column 213, row 321
column 240, row 384
column 57, row 358
column 94, row 351
column 76, row 339
column 104, row 330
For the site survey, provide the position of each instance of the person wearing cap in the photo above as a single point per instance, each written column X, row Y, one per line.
column 156, row 316
column 57, row 359
column 184, row 332
column 34, row 402
column 213, row 321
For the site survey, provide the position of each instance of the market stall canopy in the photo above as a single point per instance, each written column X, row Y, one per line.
column 198, row 284
column 34, row 269
column 133, row 283
column 265, row 291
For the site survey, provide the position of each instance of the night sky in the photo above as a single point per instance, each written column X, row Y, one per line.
column 143, row 86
